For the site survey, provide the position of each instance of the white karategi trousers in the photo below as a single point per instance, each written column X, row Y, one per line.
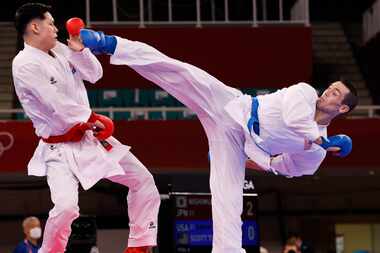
column 207, row 97
column 143, row 197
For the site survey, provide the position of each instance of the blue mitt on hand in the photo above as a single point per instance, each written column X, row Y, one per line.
column 341, row 141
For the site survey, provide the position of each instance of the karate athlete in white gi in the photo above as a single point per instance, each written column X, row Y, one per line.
column 48, row 78
column 284, row 132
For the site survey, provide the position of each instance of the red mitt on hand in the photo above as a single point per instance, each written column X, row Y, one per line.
column 73, row 26
column 102, row 134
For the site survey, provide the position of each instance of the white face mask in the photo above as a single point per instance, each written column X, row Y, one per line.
column 35, row 233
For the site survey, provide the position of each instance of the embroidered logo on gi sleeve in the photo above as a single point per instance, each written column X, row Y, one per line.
column 52, row 80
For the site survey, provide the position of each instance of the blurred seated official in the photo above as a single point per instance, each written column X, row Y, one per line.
column 32, row 230
column 302, row 246
column 291, row 246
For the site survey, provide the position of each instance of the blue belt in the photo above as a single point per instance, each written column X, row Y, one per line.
column 253, row 122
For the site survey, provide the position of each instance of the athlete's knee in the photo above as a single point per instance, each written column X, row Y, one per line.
column 71, row 211
column 146, row 188
column 145, row 181
column 155, row 195
column 67, row 209
column 149, row 186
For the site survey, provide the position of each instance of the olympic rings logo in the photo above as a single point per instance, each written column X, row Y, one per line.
column 6, row 142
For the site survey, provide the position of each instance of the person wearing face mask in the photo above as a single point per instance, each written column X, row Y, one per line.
column 32, row 230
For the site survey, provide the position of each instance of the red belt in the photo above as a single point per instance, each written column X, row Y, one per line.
column 74, row 134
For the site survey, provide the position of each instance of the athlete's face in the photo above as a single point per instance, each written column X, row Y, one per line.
column 49, row 30
column 331, row 101
column 45, row 31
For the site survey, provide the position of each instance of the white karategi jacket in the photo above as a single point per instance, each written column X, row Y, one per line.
column 286, row 119
column 53, row 96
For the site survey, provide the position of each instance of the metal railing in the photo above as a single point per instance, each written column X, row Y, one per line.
column 369, row 111
column 7, row 24
column 143, row 112
column 362, row 111
column 371, row 22
column 136, row 112
column 299, row 14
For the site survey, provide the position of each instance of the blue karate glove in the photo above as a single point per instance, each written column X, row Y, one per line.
column 341, row 141
column 97, row 42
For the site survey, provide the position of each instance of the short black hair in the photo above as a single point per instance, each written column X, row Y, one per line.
column 27, row 13
column 351, row 99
